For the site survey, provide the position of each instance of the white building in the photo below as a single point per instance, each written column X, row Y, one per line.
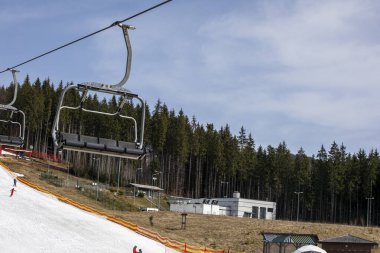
column 234, row 206
column 195, row 207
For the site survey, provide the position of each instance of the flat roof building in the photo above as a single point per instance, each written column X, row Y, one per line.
column 235, row 206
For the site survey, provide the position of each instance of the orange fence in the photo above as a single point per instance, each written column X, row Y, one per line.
column 31, row 153
column 181, row 247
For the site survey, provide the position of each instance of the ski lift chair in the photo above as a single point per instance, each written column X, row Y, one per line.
column 10, row 139
column 93, row 144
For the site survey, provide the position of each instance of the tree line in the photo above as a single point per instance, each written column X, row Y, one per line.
column 190, row 159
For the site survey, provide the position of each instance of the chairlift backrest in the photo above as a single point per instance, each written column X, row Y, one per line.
column 12, row 120
column 94, row 144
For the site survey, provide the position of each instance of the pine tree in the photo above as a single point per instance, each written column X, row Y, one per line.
column 302, row 179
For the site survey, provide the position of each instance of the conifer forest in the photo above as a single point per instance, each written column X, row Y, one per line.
column 189, row 159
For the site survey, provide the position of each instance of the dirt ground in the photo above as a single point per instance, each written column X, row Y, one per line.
column 221, row 232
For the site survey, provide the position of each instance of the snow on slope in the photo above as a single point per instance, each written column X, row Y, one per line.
column 32, row 221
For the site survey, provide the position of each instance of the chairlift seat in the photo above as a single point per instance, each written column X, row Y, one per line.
column 4, row 139
column 11, row 140
column 16, row 140
column 71, row 139
column 130, row 147
column 111, row 145
column 91, row 144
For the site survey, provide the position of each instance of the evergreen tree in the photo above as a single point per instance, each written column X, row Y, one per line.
column 302, row 179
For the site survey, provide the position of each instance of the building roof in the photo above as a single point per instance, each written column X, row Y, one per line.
column 147, row 187
column 348, row 239
column 290, row 238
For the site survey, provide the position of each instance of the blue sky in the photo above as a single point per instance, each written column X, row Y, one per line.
column 303, row 72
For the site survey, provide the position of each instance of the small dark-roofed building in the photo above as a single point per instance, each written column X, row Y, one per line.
column 148, row 191
column 348, row 243
column 286, row 243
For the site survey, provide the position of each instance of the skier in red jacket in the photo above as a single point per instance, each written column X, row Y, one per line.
column 12, row 191
column 135, row 250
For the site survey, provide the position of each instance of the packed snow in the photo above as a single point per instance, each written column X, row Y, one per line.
column 32, row 221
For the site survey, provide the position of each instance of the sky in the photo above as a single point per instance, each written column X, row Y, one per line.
column 32, row 221
column 303, row 72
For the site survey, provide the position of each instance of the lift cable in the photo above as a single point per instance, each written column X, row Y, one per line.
column 85, row 37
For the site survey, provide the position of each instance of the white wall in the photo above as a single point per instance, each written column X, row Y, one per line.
column 195, row 208
column 245, row 206
column 227, row 206
column 239, row 206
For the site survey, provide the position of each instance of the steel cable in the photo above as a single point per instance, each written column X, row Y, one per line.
column 85, row 37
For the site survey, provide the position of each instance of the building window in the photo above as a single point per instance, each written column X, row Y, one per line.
column 263, row 212
column 270, row 210
column 247, row 214
column 255, row 212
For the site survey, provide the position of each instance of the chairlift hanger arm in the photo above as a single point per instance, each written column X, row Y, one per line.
column 8, row 108
column 15, row 83
column 129, row 52
column 111, row 87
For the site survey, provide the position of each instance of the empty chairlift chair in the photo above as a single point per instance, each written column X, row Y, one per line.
column 13, row 120
column 131, row 149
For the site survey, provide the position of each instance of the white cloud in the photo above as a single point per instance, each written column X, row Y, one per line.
column 315, row 54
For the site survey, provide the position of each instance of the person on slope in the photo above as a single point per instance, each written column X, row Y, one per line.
column 12, row 191
column 14, row 182
column 135, row 250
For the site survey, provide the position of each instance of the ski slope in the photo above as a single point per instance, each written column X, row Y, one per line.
column 31, row 221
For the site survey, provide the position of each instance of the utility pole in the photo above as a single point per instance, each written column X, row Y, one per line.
column 118, row 177
column 298, row 202
column 136, row 178
column 369, row 205
column 225, row 189
column 68, row 168
column 97, row 183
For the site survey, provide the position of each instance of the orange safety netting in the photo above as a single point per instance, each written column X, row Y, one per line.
column 179, row 246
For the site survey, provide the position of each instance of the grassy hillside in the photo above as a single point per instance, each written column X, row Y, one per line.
column 238, row 234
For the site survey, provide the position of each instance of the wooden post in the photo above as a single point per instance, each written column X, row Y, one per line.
column 183, row 224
